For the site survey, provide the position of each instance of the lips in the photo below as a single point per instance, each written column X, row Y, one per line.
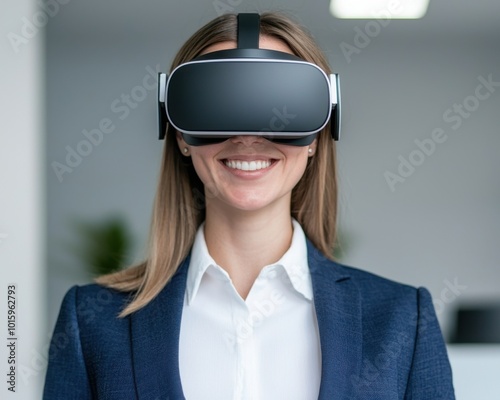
column 244, row 165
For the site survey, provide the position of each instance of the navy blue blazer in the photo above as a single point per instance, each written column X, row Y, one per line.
column 379, row 340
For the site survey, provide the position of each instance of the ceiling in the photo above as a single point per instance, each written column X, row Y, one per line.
column 153, row 19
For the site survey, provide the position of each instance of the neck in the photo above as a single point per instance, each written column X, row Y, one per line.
column 243, row 242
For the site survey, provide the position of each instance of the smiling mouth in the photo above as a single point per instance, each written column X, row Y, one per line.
column 244, row 165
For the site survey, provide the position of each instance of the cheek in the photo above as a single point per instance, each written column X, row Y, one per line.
column 208, row 169
column 201, row 167
column 301, row 165
column 298, row 157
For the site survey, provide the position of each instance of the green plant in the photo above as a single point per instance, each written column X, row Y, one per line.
column 104, row 246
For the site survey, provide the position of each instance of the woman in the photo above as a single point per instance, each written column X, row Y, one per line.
column 240, row 297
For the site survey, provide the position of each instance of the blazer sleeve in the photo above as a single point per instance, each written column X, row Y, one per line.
column 67, row 377
column 430, row 375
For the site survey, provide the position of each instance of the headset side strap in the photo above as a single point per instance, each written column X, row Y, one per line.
column 162, row 113
column 335, row 97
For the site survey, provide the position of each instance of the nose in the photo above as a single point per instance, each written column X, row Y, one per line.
column 247, row 140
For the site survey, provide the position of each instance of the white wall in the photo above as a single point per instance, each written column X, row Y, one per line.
column 21, row 201
column 118, row 177
column 440, row 227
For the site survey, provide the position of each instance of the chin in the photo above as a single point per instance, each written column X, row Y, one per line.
column 255, row 201
column 249, row 205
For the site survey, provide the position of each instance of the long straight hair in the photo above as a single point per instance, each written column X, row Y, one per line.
column 179, row 205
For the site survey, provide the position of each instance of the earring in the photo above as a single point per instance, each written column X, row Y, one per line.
column 310, row 150
column 185, row 150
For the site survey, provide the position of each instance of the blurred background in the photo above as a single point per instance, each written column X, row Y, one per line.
column 418, row 155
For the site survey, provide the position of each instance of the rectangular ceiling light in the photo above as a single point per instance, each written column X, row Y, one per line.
column 372, row 9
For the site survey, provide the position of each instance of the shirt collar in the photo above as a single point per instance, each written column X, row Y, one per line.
column 200, row 261
column 294, row 262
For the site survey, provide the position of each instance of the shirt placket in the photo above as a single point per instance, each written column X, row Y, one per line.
column 246, row 387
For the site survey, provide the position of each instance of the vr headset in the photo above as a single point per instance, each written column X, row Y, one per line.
column 248, row 91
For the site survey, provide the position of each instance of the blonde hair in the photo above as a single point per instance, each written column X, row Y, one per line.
column 179, row 205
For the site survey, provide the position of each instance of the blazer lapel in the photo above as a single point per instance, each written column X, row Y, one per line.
column 338, row 311
column 155, row 341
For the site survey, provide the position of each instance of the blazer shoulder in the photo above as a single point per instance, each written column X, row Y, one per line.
column 364, row 277
column 95, row 289
column 323, row 268
column 381, row 290
column 91, row 302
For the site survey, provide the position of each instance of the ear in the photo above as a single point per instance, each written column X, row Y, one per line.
column 313, row 146
column 180, row 141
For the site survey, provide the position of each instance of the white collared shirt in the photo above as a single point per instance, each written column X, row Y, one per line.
column 264, row 347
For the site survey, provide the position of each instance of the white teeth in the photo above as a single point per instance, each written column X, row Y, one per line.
column 247, row 165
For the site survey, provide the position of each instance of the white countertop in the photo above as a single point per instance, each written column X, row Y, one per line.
column 476, row 371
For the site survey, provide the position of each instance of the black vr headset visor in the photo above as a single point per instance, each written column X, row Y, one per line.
column 248, row 91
